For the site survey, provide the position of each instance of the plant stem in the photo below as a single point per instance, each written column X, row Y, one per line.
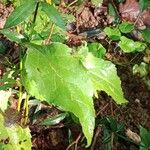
column 47, row 41
column 36, row 11
column 20, row 85
column 72, row 3
column 26, row 108
column 20, row 98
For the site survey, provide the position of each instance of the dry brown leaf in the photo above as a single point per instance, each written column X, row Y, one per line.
column 133, row 136
column 130, row 11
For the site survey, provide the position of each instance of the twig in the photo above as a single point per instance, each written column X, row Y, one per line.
column 20, row 85
column 75, row 142
column 72, row 3
column 98, row 130
column 47, row 41
column 100, row 111
column 139, row 15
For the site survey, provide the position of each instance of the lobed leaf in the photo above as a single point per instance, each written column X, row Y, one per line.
column 52, row 74
column 104, row 77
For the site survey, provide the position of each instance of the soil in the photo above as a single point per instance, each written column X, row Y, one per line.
column 132, row 115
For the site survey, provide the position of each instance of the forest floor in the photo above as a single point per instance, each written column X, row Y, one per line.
column 133, row 115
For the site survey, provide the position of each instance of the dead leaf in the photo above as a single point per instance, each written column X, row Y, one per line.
column 130, row 11
column 133, row 136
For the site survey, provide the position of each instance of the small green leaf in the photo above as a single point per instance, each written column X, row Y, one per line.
column 126, row 27
column 112, row 12
column 54, row 120
column 144, row 4
column 97, row 49
column 20, row 14
column 113, row 33
column 141, row 69
column 53, row 14
column 146, row 34
column 13, row 36
column 14, row 137
column 145, row 139
column 106, row 139
column 97, row 2
column 104, row 77
column 2, row 48
column 128, row 45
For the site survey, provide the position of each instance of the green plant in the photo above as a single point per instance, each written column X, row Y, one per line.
column 55, row 74
column 127, row 45
column 113, row 131
column 142, row 70
column 145, row 139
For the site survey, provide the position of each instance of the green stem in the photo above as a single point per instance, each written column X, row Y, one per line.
column 36, row 11
column 20, row 85
column 27, row 109
column 50, row 34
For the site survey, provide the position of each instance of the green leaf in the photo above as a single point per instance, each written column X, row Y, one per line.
column 128, row 45
column 42, row 23
column 13, row 36
column 126, row 27
column 112, row 33
column 57, row 37
column 2, row 48
column 97, row 2
column 17, row 3
column 141, row 69
column 106, row 139
column 144, row 4
column 120, row 1
column 145, row 139
column 104, row 77
column 53, row 74
column 97, row 49
column 54, row 120
column 14, row 137
column 20, row 14
column 4, row 97
column 112, row 12
column 53, row 14
column 146, row 34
